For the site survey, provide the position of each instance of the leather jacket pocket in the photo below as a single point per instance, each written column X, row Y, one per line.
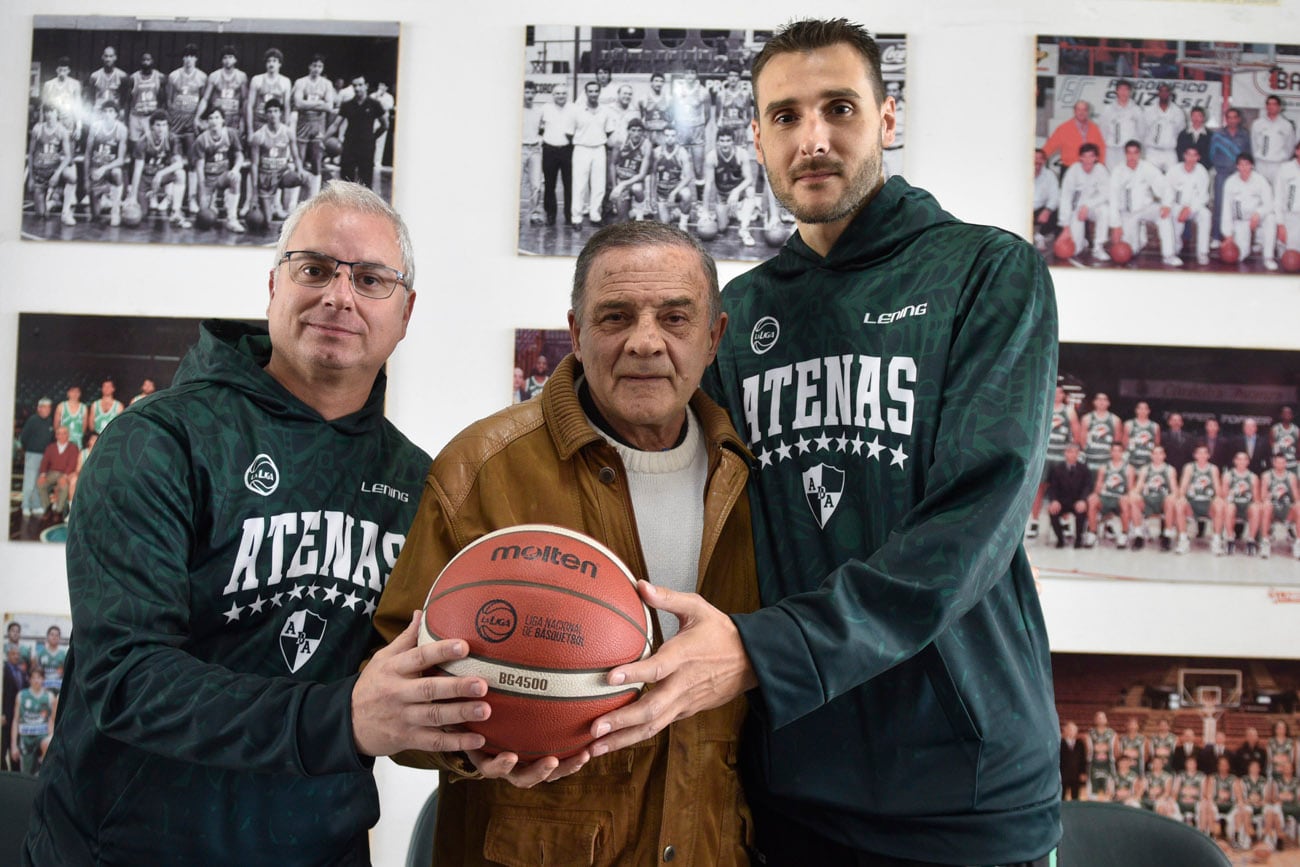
column 528, row 838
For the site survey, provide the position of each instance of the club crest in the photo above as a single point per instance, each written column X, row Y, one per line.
column 823, row 486
column 300, row 637
column 764, row 336
column 262, row 476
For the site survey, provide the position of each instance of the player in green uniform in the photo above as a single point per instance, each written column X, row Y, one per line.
column 1189, row 791
column 1239, row 493
column 1127, row 783
column 1280, row 746
column 1141, row 435
column 1254, row 798
column 1284, row 437
column 1101, row 772
column 1280, row 496
column 1198, row 499
column 33, row 716
column 1098, row 430
column 1157, row 789
column 1286, row 798
column 1064, row 429
column 1133, row 743
column 1222, row 792
column 1155, row 494
column 50, row 658
column 891, row 370
column 232, row 538
column 1110, row 496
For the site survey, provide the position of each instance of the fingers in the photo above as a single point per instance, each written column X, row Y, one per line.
column 525, row 775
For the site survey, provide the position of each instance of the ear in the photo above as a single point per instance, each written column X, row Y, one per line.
column 715, row 335
column 407, row 306
column 888, row 122
column 758, row 142
column 575, row 333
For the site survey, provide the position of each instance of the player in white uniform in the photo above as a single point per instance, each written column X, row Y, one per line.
column 185, row 86
column 274, row 156
column 1248, row 210
column 1047, row 199
column 1122, row 121
column 265, row 87
column 1140, row 194
column 313, row 100
column 1164, row 121
column 631, row 170
column 64, row 93
column 672, row 180
column 107, row 81
column 1272, row 138
column 1085, row 198
column 1286, row 198
column 729, row 186
column 691, row 104
column 105, row 157
column 1190, row 184
column 146, row 97
column 50, row 164
column 656, row 109
column 159, row 176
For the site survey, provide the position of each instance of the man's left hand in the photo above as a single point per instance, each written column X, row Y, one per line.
column 702, row 667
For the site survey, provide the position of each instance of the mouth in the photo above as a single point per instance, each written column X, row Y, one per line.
column 332, row 329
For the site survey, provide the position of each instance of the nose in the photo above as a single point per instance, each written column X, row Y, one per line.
column 816, row 136
column 646, row 338
column 339, row 291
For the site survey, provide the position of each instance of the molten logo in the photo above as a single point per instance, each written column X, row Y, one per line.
column 765, row 334
column 495, row 621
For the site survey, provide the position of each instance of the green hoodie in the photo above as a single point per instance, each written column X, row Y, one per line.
column 897, row 396
column 228, row 549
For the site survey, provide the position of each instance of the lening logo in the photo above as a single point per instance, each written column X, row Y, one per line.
column 262, row 477
column 764, row 336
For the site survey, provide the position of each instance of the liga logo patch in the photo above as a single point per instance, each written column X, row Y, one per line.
column 765, row 334
column 262, row 476
column 300, row 637
column 823, row 485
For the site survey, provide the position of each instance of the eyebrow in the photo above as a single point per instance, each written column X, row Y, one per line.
column 824, row 96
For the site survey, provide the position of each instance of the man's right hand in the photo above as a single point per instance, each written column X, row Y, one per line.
column 506, row 766
column 398, row 705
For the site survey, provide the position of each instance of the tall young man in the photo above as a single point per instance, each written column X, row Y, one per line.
column 159, row 179
column 891, row 370
column 50, row 166
column 106, row 153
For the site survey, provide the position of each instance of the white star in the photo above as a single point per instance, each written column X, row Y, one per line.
column 296, row 592
column 330, row 593
column 841, row 443
column 311, row 591
column 875, row 448
column 802, row 445
column 256, row 607
column 899, row 457
column 233, row 614
column 765, row 458
column 351, row 601
column 782, row 450
column 857, row 444
column 370, row 607
column 275, row 600
column 823, row 442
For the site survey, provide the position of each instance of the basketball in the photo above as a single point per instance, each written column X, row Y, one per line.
column 775, row 234
column 1291, row 261
column 707, row 230
column 546, row 613
column 131, row 213
column 290, row 179
column 1063, row 247
column 206, row 218
column 1229, row 253
column 1121, row 253
column 333, row 146
column 254, row 218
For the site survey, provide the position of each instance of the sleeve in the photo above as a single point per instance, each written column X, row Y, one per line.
column 129, row 552
column 1053, row 193
column 959, row 539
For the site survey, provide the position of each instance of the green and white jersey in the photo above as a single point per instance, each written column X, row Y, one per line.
column 896, row 395
column 1241, row 487
column 1164, row 745
column 34, row 713
column 1059, row 434
column 1141, row 440
column 1114, row 479
column 1278, row 487
column 1277, row 749
column 225, row 557
column 1254, row 790
column 1134, row 746
column 1188, row 790
column 1156, row 786
column 1159, row 482
column 1223, row 791
column 1125, row 784
column 1102, row 763
column 1099, row 434
column 1285, row 439
column 1288, row 794
column 51, row 663
column 1200, row 488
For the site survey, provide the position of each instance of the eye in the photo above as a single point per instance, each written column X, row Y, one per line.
column 842, row 108
column 312, row 270
column 369, row 279
column 784, row 117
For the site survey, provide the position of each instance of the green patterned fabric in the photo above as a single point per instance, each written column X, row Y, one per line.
column 227, row 551
column 897, row 395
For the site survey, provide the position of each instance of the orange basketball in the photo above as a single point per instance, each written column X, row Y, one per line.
column 1121, row 253
column 1064, row 245
column 1228, row 252
column 1291, row 261
column 546, row 613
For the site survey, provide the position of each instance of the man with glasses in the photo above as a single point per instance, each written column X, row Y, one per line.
column 229, row 551
column 360, row 118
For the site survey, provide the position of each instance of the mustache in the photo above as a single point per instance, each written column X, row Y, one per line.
column 816, row 165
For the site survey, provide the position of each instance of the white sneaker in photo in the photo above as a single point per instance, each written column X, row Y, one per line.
column 1202, row 259
column 1121, row 541
column 1184, row 545
column 1216, row 546
column 1265, row 548
column 1089, row 540
column 1270, row 265
column 1100, row 255
column 1173, row 261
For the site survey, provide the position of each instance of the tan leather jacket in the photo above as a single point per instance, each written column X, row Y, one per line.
column 542, row 462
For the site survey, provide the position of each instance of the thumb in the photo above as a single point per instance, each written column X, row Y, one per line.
column 672, row 601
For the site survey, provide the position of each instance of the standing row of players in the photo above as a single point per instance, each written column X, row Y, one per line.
column 1098, row 467
column 675, row 150
column 1247, row 796
column 180, row 140
column 1151, row 168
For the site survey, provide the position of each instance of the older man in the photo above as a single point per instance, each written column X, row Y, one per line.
column 58, row 464
column 622, row 446
column 37, row 434
column 232, row 538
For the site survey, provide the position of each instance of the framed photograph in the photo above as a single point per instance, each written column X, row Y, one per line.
column 1167, row 154
column 1187, row 466
column 537, row 351
column 78, row 373
column 35, row 650
column 200, row 130
column 653, row 123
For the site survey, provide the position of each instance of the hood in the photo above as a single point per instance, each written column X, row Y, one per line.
column 233, row 355
column 897, row 214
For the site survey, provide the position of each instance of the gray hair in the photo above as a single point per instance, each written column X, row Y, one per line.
column 642, row 234
column 348, row 196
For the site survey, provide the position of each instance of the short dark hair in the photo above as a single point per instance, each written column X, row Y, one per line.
column 63, row 61
column 317, row 58
column 1133, row 143
column 811, row 34
column 642, row 234
column 1123, row 82
column 273, row 52
column 1089, row 148
column 273, row 103
column 1247, row 157
column 190, row 50
column 157, row 116
column 230, row 50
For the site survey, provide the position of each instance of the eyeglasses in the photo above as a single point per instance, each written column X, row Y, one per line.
column 317, row 270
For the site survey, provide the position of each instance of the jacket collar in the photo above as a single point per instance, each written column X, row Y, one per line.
column 571, row 431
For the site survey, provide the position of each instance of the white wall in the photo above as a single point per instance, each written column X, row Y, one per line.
column 970, row 109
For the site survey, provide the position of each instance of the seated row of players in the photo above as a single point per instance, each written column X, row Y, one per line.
column 1120, row 205
column 1259, row 802
column 159, row 175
